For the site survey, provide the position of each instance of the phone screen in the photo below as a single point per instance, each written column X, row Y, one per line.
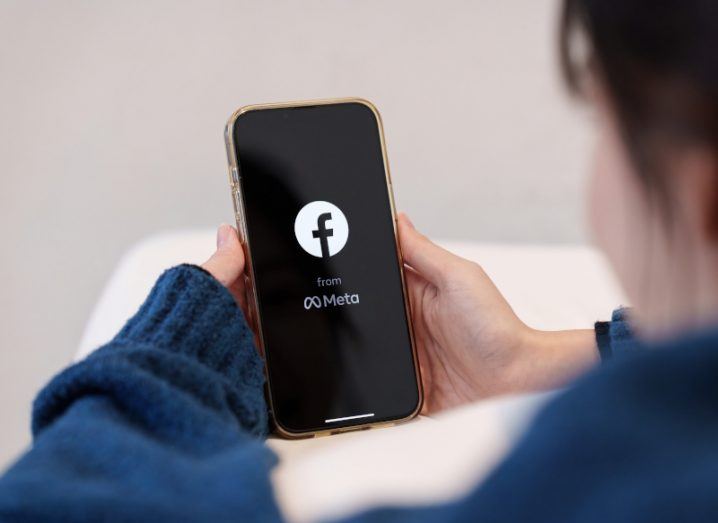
column 320, row 233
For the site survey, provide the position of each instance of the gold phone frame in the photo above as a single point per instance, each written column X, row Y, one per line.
column 252, row 302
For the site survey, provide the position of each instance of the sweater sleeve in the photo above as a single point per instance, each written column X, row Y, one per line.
column 165, row 422
column 615, row 338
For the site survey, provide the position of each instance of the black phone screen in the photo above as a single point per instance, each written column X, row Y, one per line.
column 324, row 258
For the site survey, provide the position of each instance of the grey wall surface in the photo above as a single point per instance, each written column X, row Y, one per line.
column 111, row 119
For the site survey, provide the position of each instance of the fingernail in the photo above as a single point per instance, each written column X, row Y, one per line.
column 407, row 220
column 223, row 235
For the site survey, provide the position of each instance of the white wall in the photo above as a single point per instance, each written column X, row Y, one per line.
column 111, row 119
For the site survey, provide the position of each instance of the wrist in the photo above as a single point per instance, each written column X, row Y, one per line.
column 190, row 313
column 188, row 337
column 550, row 359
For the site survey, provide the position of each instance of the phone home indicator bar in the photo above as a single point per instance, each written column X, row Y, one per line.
column 345, row 418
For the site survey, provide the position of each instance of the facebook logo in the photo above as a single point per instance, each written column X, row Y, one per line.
column 323, row 233
column 321, row 229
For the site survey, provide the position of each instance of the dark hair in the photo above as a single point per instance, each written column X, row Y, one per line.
column 657, row 61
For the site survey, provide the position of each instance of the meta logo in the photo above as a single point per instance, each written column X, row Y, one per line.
column 321, row 229
column 331, row 300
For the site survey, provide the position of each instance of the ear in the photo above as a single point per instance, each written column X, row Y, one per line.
column 696, row 177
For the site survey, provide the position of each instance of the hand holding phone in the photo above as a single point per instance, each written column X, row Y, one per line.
column 471, row 344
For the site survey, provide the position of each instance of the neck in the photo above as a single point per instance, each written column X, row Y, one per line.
column 686, row 297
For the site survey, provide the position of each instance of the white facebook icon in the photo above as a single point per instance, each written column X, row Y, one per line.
column 321, row 229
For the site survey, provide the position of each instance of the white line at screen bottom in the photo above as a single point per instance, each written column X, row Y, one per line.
column 334, row 420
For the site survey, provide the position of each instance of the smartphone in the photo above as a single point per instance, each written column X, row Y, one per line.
column 326, row 293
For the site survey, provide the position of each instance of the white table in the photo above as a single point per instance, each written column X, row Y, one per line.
column 549, row 287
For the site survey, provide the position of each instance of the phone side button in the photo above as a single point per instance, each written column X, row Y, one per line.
column 234, row 175
column 242, row 228
column 237, row 201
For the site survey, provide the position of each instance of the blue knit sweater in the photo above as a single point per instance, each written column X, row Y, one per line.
column 165, row 423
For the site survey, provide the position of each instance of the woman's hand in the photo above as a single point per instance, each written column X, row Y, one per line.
column 470, row 342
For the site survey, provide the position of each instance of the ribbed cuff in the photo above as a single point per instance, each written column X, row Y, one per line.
column 603, row 339
column 615, row 338
column 189, row 334
column 189, row 312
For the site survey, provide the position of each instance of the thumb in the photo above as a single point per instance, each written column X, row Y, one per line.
column 227, row 262
column 427, row 258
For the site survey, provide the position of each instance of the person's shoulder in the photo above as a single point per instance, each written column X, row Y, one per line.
column 682, row 368
column 631, row 441
column 670, row 387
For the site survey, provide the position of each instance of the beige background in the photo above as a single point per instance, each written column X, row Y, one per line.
column 111, row 119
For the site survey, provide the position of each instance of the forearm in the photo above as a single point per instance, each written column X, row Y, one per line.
column 550, row 359
column 162, row 423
